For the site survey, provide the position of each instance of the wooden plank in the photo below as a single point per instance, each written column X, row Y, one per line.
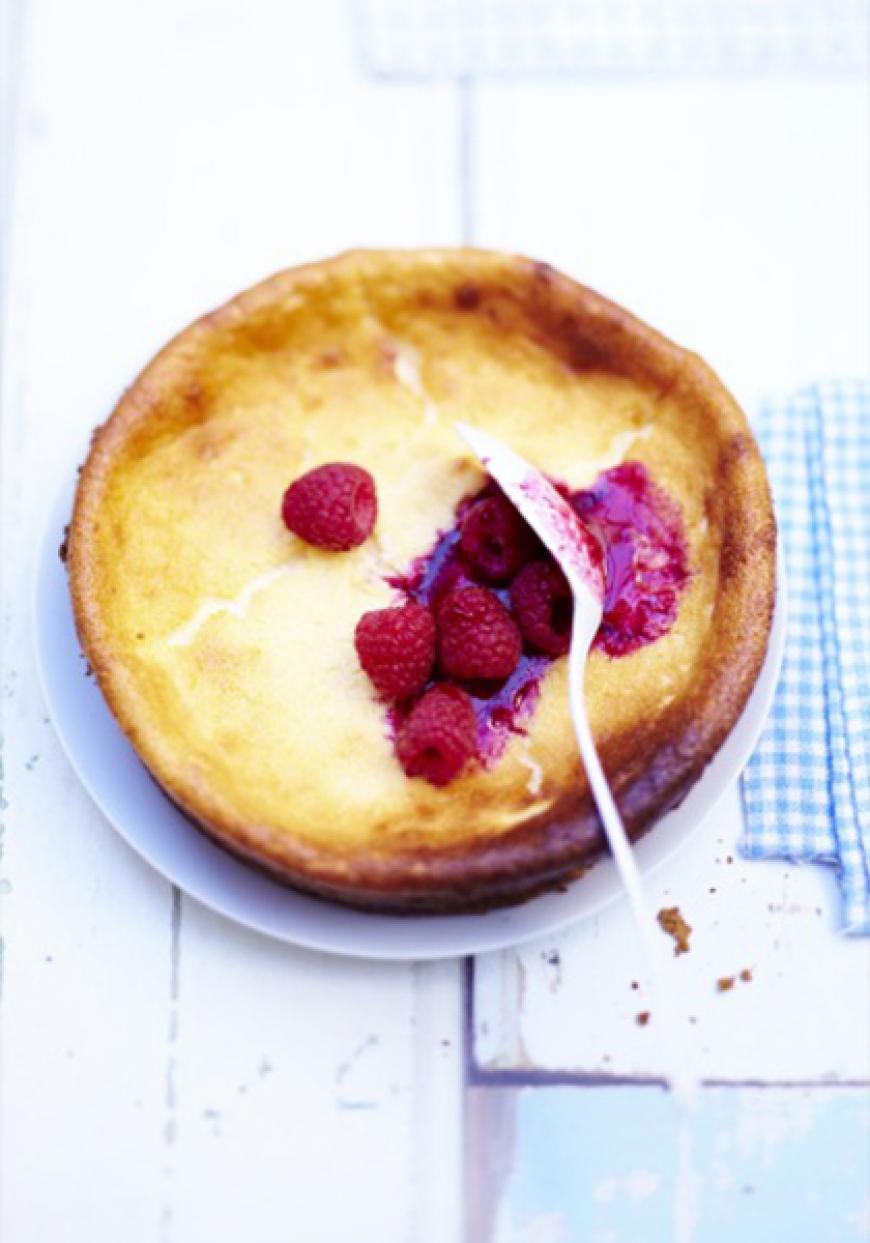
column 86, row 927
column 568, row 1005
column 604, row 1164
column 164, row 1072
column 320, row 1090
column 735, row 217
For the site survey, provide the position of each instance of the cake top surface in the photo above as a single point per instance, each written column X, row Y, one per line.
column 224, row 644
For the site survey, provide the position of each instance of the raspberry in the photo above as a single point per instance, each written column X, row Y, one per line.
column 542, row 604
column 396, row 648
column 477, row 637
column 333, row 506
column 439, row 735
column 495, row 539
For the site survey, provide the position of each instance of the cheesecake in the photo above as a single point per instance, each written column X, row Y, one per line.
column 226, row 639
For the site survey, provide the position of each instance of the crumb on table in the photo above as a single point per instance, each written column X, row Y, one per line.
column 671, row 921
column 725, row 983
column 642, row 1019
column 746, row 975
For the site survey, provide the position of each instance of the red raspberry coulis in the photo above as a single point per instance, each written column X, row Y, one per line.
column 641, row 530
column 646, row 560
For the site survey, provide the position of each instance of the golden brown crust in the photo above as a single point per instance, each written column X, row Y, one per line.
column 653, row 765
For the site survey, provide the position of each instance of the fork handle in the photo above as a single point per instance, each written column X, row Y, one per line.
column 681, row 1078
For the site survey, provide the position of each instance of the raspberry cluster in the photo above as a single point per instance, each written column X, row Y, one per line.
column 427, row 659
column 431, row 655
column 487, row 597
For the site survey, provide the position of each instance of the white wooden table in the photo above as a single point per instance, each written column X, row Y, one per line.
column 169, row 1077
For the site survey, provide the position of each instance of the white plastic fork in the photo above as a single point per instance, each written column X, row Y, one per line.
column 560, row 530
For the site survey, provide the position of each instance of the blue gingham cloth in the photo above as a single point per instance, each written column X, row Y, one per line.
column 807, row 787
column 487, row 38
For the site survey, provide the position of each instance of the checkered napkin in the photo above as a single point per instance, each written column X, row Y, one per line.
column 481, row 38
column 807, row 787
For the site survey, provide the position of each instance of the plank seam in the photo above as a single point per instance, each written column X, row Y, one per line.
column 170, row 1099
column 480, row 1077
column 465, row 159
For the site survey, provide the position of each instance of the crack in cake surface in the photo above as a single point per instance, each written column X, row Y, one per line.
column 406, row 368
column 237, row 605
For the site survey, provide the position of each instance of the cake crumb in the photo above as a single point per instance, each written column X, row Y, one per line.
column 635, row 985
column 642, row 1019
column 725, row 983
column 746, row 975
column 671, row 921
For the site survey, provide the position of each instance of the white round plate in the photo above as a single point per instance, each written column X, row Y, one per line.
column 121, row 787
